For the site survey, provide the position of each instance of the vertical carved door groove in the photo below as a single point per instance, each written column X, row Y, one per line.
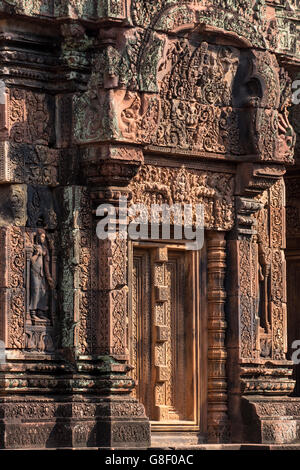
column 140, row 350
column 164, row 335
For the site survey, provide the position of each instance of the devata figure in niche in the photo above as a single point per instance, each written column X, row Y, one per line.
column 40, row 279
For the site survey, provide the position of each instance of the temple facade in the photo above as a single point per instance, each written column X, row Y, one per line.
column 126, row 343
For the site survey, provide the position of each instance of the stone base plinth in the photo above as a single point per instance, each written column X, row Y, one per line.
column 54, row 422
column 271, row 420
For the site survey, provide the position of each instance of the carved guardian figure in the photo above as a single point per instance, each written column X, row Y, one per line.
column 40, row 279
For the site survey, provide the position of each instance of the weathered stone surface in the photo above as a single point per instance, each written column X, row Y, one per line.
column 160, row 102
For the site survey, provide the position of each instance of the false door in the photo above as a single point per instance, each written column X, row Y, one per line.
column 163, row 334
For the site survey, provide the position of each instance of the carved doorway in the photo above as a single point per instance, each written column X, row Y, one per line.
column 292, row 181
column 164, row 334
column 293, row 282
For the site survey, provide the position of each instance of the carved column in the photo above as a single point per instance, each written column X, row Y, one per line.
column 111, row 327
column 108, row 170
column 259, row 374
column 73, row 391
column 218, row 428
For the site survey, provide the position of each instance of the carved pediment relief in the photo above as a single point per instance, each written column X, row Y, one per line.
column 205, row 90
column 211, row 99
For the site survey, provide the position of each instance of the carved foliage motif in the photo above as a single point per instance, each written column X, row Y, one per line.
column 75, row 47
column 12, row 290
column 29, row 117
column 110, row 69
column 13, row 200
column 278, row 270
column 295, row 121
column 149, row 13
column 113, row 259
column 17, row 298
column 248, row 293
column 77, row 271
column 26, row 158
column 155, row 185
column 41, row 207
column 130, row 433
column 28, row 164
column 113, row 296
column 91, row 111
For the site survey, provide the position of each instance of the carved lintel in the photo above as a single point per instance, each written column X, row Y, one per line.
column 169, row 185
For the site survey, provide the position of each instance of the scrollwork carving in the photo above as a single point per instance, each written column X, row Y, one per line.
column 154, row 185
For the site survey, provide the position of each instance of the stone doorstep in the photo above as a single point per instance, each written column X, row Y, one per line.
column 202, row 447
column 262, row 447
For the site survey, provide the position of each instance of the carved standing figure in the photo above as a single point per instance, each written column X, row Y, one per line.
column 40, row 279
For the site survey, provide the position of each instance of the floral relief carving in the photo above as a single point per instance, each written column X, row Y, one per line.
column 154, row 185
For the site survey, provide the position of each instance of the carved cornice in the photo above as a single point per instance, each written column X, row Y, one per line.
column 110, row 165
column 253, row 179
column 251, row 20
